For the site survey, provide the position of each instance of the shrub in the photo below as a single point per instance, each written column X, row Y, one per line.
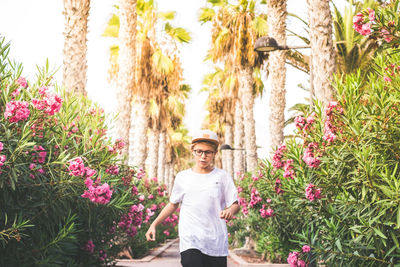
column 66, row 198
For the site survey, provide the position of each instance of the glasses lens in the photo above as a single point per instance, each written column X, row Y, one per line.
column 199, row 153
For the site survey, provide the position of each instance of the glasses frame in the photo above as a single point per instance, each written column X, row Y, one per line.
column 207, row 153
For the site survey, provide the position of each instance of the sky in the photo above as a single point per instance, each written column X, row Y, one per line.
column 35, row 30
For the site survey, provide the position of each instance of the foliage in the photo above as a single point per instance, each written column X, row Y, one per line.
column 66, row 198
column 335, row 186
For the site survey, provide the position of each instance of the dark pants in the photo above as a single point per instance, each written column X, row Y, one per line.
column 194, row 258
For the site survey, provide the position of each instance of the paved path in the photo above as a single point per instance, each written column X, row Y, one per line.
column 169, row 258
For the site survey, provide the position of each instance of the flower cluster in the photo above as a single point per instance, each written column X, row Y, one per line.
column 278, row 155
column 133, row 219
column 330, row 129
column 288, row 169
column 277, row 188
column 49, row 102
column 254, row 197
column 97, row 193
column 312, row 192
column 391, row 72
column 40, row 155
column 294, row 258
column 77, row 168
column 266, row 212
column 304, row 124
column 17, row 111
column 2, row 157
column 362, row 24
column 309, row 156
column 89, row 246
column 294, row 261
column 113, row 170
column 243, row 204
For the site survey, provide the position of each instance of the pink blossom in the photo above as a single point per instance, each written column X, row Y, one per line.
column 301, row 263
column 141, row 197
column 293, row 258
column 76, row 167
column 135, row 190
column 22, row 82
column 255, row 198
column 299, row 121
column 277, row 158
column 15, row 93
column 153, row 207
column 150, row 196
column 239, row 189
column 365, row 29
column 306, row 249
column 371, row 14
column 387, row 79
column 43, row 90
column 89, row 246
column 312, row 192
column 89, row 172
column 269, row 200
column 309, row 158
column 140, row 174
column 16, row 111
column 166, row 232
column 98, row 193
column 255, row 178
column 1, row 146
column 2, row 160
column 288, row 169
column 266, row 212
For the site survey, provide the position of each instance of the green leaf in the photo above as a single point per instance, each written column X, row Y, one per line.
column 378, row 232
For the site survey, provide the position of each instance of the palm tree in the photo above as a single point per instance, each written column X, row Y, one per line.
column 235, row 28
column 322, row 51
column 126, row 71
column 76, row 13
column 277, row 13
column 151, row 65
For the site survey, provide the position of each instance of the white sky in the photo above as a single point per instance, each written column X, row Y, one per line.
column 35, row 30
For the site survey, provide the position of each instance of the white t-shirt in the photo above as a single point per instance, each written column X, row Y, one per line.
column 203, row 197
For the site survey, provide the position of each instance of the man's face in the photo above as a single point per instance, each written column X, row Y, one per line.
column 204, row 155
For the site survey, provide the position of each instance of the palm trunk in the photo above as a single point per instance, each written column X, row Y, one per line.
column 171, row 177
column 137, row 152
column 76, row 15
column 246, row 88
column 323, row 63
column 277, row 72
column 228, row 154
column 153, row 144
column 161, row 157
column 238, row 164
column 126, row 72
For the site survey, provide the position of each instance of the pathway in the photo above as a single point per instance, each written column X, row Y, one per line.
column 169, row 258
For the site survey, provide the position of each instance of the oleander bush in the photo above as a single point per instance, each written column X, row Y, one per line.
column 66, row 196
column 331, row 194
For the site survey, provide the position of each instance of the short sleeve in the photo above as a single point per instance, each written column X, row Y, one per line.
column 230, row 191
column 177, row 191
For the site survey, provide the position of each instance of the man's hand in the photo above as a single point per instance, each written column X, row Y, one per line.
column 226, row 214
column 151, row 233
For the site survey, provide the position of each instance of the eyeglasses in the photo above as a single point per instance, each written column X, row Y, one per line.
column 199, row 153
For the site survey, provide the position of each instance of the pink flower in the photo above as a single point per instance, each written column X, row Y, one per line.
column 141, row 197
column 239, row 189
column 266, row 212
column 43, row 90
column 89, row 172
column 301, row 263
column 76, row 167
column 269, row 200
column 89, row 246
column 312, row 192
column 365, row 29
column 299, row 121
column 371, row 14
column 387, row 79
column 277, row 158
column 166, row 232
column 293, row 258
column 100, row 194
column 306, row 249
column 22, row 82
column 1, row 146
column 16, row 111
column 2, row 160
column 150, row 196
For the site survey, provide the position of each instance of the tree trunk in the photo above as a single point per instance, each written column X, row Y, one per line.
column 161, row 157
column 246, row 92
column 323, row 63
column 137, row 152
column 171, row 177
column 277, row 71
column 76, row 13
column 228, row 154
column 238, row 166
column 152, row 155
column 126, row 72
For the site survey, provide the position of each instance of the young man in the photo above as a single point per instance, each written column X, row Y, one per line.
column 208, row 197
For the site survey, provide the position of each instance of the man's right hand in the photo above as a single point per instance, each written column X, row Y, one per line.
column 151, row 233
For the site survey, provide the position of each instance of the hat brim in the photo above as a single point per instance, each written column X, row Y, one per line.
column 206, row 140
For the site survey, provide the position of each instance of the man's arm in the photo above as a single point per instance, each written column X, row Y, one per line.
column 167, row 211
column 228, row 213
